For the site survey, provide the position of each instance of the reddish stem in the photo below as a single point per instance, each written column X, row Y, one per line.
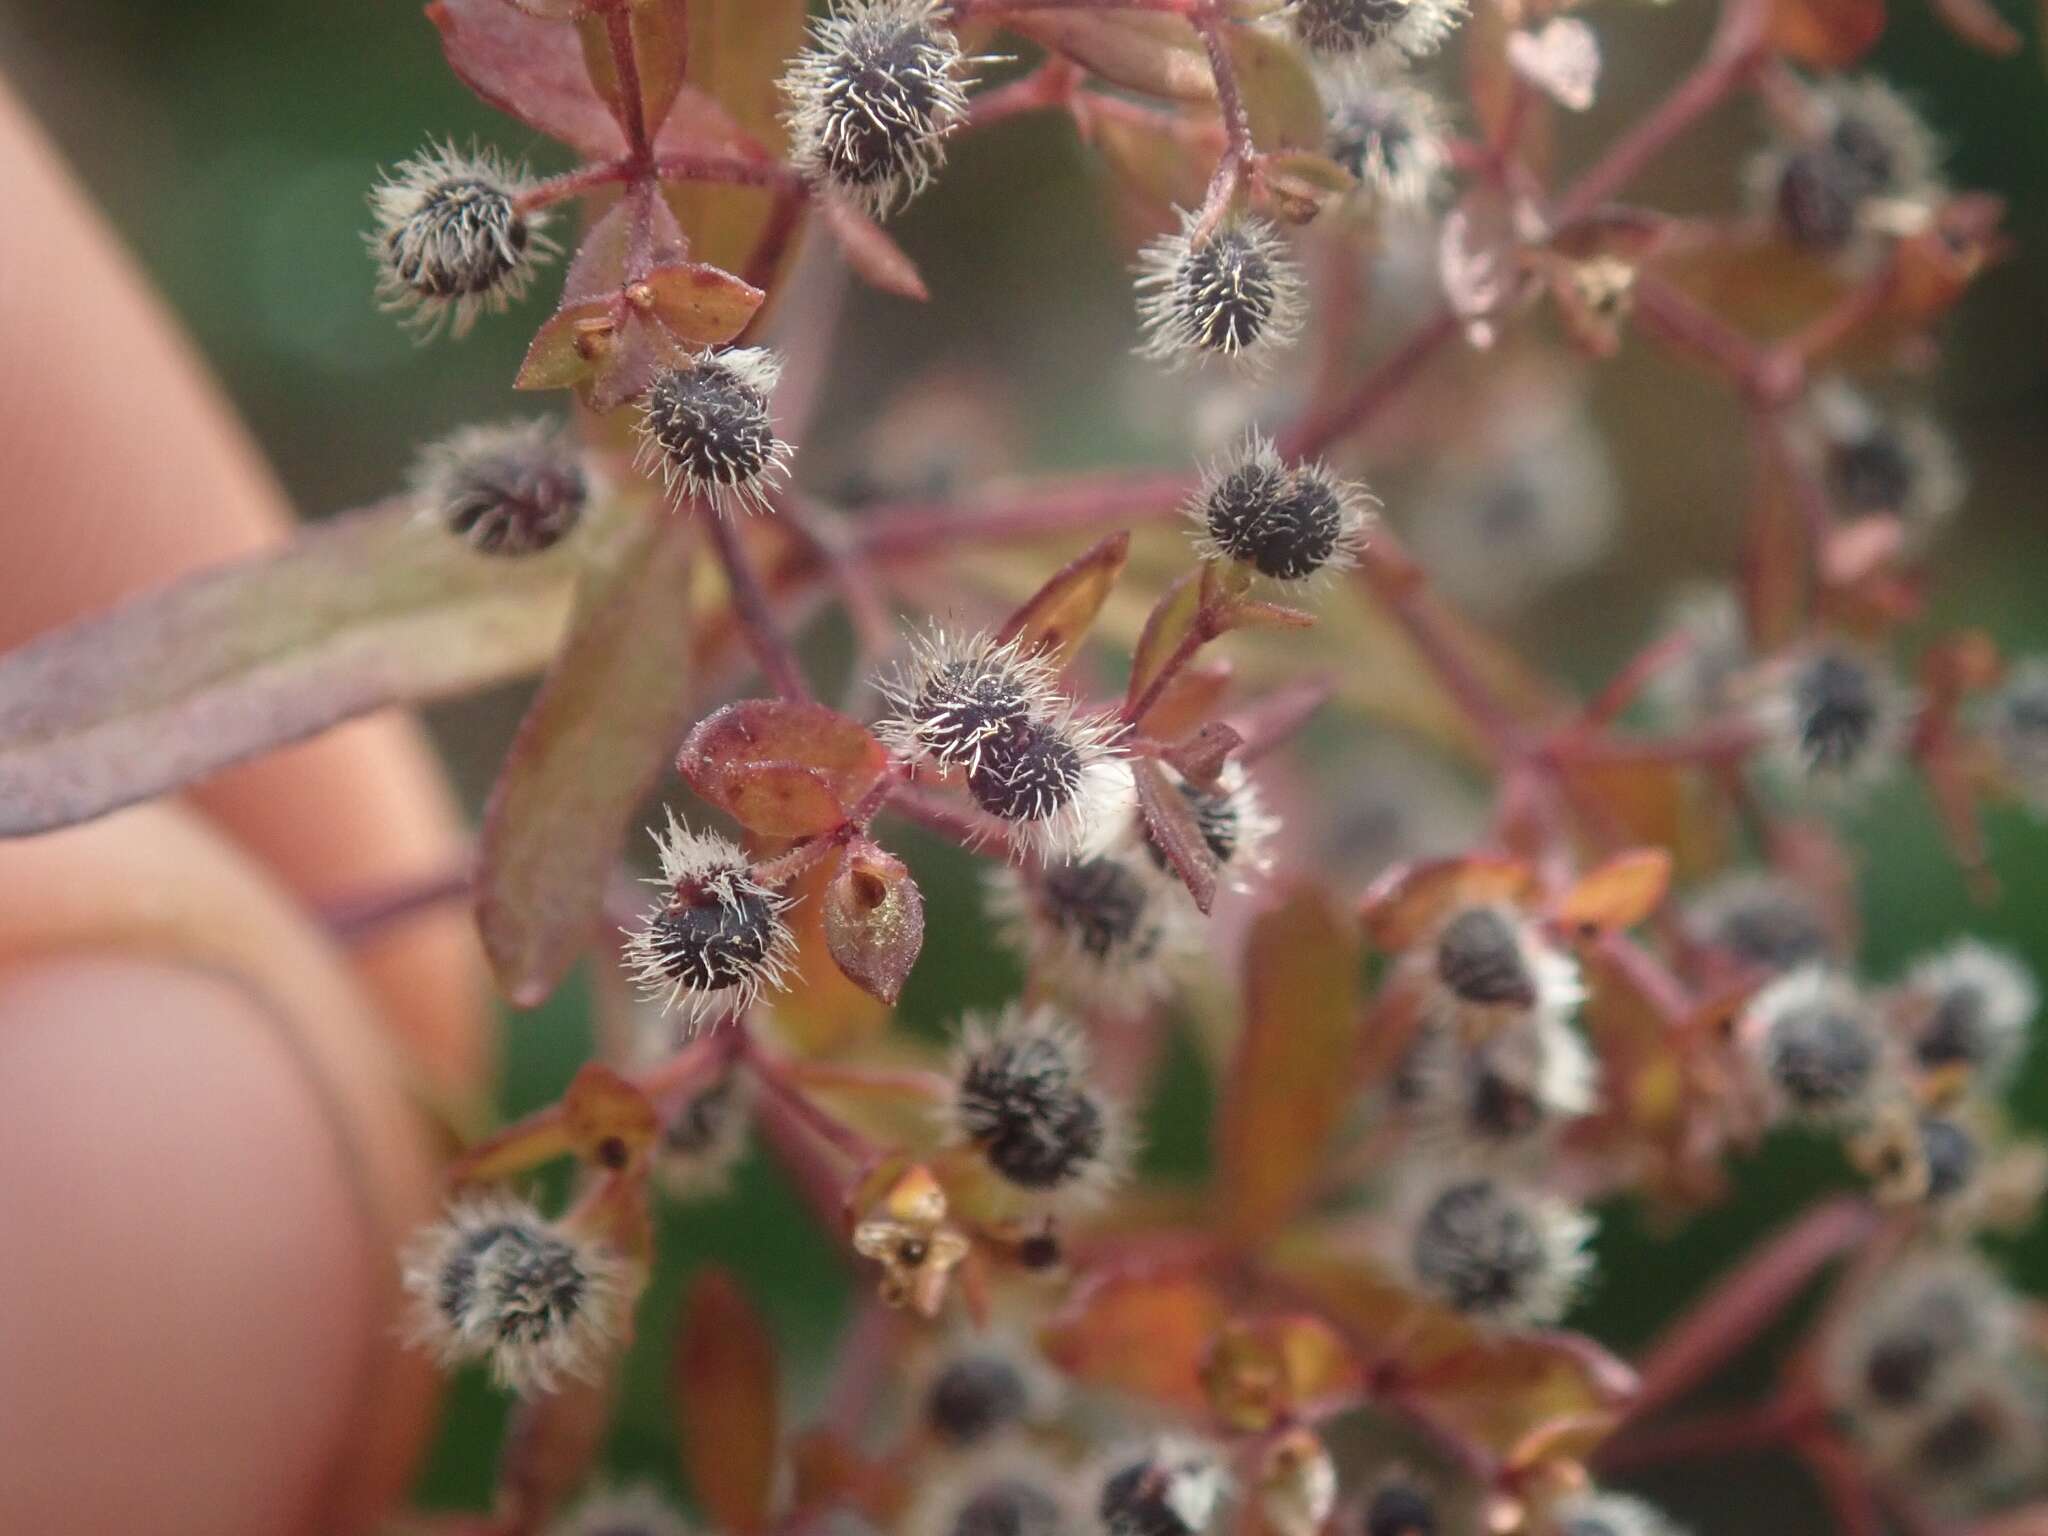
column 618, row 26
column 727, row 170
column 1373, row 393
column 361, row 917
column 1238, row 150
column 1710, row 1436
column 804, row 1112
column 770, row 647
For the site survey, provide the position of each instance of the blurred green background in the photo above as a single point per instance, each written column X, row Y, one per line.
column 231, row 143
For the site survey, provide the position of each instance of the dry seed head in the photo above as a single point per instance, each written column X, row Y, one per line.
column 958, row 692
column 1836, row 717
column 872, row 98
column 1492, row 1249
column 1393, row 29
column 1399, row 1506
column 450, row 239
column 1001, row 1489
column 1236, row 826
column 513, row 489
column 706, row 427
column 1057, row 782
column 1765, row 922
column 1875, row 462
column 1022, row 1099
column 983, row 1385
column 635, row 1511
column 1816, row 1045
column 1235, row 295
column 1971, row 1005
column 496, row 1280
column 1863, row 163
column 1288, row 522
column 1104, row 930
column 1607, row 1514
column 1489, row 962
column 1507, row 1092
column 1924, row 1322
column 704, row 1137
column 1171, row 1487
column 717, row 937
column 1387, row 130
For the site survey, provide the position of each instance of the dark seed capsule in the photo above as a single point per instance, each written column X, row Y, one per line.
column 710, row 425
column 1951, row 1155
column 1009, row 1507
column 514, row 495
column 1837, row 712
column 1479, row 958
column 1816, row 200
column 1870, row 474
column 883, row 94
column 1343, row 26
column 1477, row 1249
column 1100, row 904
column 1821, row 1056
column 1399, row 1510
column 711, row 943
column 465, row 239
column 1028, row 771
column 1140, row 1500
column 1285, row 523
column 1226, row 291
column 973, row 1397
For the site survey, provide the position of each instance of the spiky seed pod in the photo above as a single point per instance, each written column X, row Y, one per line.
column 1399, row 1506
column 1388, row 131
column 635, row 1511
column 1507, row 1092
column 450, row 239
column 513, row 489
column 974, row 1396
column 872, row 98
column 1699, row 684
column 1970, row 1006
column 1236, row 294
column 1865, row 162
column 1893, row 462
column 704, row 1137
column 1488, row 963
column 1950, row 1154
column 1289, row 522
column 1925, row 1321
column 2015, row 722
column 1980, row 1440
column 1002, row 1489
column 1236, row 826
column 1055, row 782
column 1395, row 29
column 496, row 1280
column 717, row 937
column 1836, row 718
column 959, row 691
column 1607, row 1514
column 706, row 428
column 1103, row 930
column 1022, row 1099
column 1763, row 922
column 1171, row 1487
column 1815, row 1044
column 1492, row 1249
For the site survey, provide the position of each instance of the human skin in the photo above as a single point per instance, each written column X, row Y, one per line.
column 209, row 1141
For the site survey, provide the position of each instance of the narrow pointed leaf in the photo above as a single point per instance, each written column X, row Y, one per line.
column 609, row 1120
column 1172, row 620
column 1404, row 904
column 588, row 752
column 1170, row 822
column 529, row 68
column 1158, row 55
column 1055, row 618
column 872, row 253
column 1142, row 1334
column 1280, row 96
column 1291, row 1073
column 1828, row 34
column 727, row 1404
column 367, row 610
column 1619, row 893
column 551, row 1445
column 699, row 304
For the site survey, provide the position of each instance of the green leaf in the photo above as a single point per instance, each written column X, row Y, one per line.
column 588, row 752
column 370, row 609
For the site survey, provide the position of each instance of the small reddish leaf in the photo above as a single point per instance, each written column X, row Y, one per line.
column 1192, row 698
column 1263, row 615
column 1147, row 1335
column 1279, row 92
column 1175, row 832
column 551, row 1445
column 569, row 346
column 362, row 611
column 1619, row 893
column 610, row 1121
column 589, row 750
column 1291, row 1074
column 874, row 920
column 782, row 767
column 1262, row 1372
column 872, row 253
column 1827, row 34
column 1558, row 1391
column 727, row 1404
column 529, row 69
column 1302, row 184
column 1156, row 55
column 1408, row 901
column 1173, row 620
column 1200, row 756
column 1157, row 159
column 700, row 305
column 1977, row 24
column 1055, row 618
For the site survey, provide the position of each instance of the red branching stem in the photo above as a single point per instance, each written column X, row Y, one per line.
column 362, row 916
column 1732, row 58
column 1744, row 1301
column 935, row 813
column 1238, row 150
column 965, row 10
column 912, row 530
column 832, row 542
column 1650, row 976
column 585, row 178
column 1623, row 689
column 1741, row 1431
column 1725, row 741
column 885, row 1082
column 1668, row 315
column 618, row 25
column 1843, row 1483
column 803, row 1111
column 1386, row 572
column 764, row 637
column 1049, row 85
column 728, row 170
column 1373, row 393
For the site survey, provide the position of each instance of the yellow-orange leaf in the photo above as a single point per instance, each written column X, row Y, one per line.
column 1291, row 1073
column 608, row 1120
column 1405, row 903
column 1147, row 1335
column 727, row 1403
column 1619, row 893
column 1055, row 618
column 1828, row 34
